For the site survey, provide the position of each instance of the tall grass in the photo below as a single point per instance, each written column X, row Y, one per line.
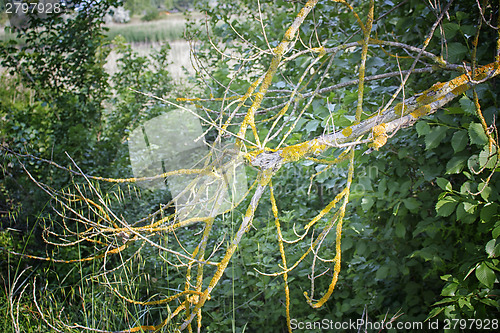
column 150, row 32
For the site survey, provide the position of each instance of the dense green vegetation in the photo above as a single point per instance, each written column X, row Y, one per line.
column 421, row 230
column 421, row 236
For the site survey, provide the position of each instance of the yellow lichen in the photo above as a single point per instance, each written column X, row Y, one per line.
column 460, row 89
column 317, row 147
column 398, row 109
column 429, row 95
column 421, row 111
column 252, row 154
column 296, row 152
column 182, row 99
column 347, row 131
column 440, row 61
column 378, row 142
column 322, row 51
column 379, row 130
column 289, row 34
column 379, row 136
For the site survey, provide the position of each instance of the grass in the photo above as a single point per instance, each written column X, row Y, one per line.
column 148, row 32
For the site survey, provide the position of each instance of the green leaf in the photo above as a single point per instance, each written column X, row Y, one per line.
column 434, row 313
column 473, row 163
column 490, row 248
column 465, row 302
column 488, row 212
column 469, row 30
column 456, row 52
column 467, row 188
column 454, row 110
column 461, row 15
column 400, row 230
column 450, row 30
column 487, row 159
column 459, row 141
column 312, row 125
column 426, row 253
column 350, row 97
column 445, row 277
column 422, row 128
column 489, row 302
column 347, row 244
column 361, row 248
column 494, row 252
column 367, row 203
column 467, row 105
column 485, row 190
column 234, row 273
column 470, row 207
column 485, row 275
column 477, row 135
column 461, row 212
column 444, row 184
column 395, row 209
column 456, row 164
column 449, row 289
column 470, row 271
column 412, row 203
column 446, row 206
column 435, row 136
column 496, row 232
column 382, row 273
